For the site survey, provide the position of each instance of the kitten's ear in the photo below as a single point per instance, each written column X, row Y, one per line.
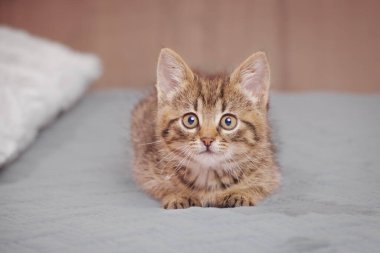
column 172, row 72
column 254, row 77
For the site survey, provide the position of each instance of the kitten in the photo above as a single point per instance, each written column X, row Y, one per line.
column 202, row 141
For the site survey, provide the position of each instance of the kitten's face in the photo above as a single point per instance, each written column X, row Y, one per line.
column 208, row 127
column 207, row 120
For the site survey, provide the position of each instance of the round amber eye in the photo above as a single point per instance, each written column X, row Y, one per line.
column 190, row 120
column 228, row 122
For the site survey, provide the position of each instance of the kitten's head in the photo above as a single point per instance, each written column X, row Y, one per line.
column 212, row 119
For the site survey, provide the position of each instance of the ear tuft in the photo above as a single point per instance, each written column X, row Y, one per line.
column 253, row 75
column 172, row 71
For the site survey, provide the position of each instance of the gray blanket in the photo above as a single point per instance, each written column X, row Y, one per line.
column 72, row 191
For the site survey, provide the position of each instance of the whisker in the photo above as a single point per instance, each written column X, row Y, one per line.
column 187, row 153
column 256, row 161
column 149, row 143
column 171, row 155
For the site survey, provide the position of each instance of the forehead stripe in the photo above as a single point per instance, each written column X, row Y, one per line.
column 195, row 104
column 224, row 106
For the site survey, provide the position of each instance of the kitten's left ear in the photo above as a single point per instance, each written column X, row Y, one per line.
column 254, row 77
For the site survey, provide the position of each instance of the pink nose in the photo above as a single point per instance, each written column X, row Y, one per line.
column 207, row 141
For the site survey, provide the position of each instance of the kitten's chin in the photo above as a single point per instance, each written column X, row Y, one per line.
column 210, row 159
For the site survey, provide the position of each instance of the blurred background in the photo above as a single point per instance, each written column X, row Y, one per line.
column 311, row 45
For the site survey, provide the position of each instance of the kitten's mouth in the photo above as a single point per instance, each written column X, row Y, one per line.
column 208, row 151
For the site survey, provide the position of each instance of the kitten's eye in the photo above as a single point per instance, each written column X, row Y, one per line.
column 228, row 122
column 190, row 120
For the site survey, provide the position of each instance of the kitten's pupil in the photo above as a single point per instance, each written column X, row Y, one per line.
column 191, row 120
column 228, row 121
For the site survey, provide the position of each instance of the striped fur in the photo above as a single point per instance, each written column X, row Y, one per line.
column 169, row 163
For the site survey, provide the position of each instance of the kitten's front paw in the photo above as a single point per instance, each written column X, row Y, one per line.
column 179, row 202
column 238, row 199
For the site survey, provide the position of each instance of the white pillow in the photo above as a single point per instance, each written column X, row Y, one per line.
column 38, row 79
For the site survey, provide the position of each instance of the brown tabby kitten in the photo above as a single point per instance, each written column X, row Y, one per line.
column 202, row 141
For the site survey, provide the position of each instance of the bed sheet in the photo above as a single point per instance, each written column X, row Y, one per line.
column 72, row 190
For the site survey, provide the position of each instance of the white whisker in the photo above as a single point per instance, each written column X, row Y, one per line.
column 150, row 143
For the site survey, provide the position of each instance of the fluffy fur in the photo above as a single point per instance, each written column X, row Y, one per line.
column 206, row 165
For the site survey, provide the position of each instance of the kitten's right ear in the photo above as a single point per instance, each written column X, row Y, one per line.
column 172, row 72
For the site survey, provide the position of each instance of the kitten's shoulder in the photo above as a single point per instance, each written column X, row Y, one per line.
column 143, row 118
